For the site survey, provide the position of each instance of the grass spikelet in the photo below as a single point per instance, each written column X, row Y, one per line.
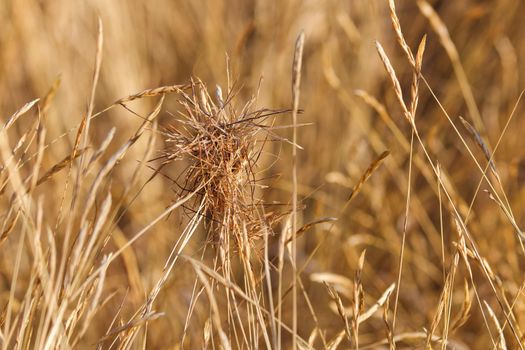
column 358, row 298
column 464, row 314
column 393, row 77
column 162, row 90
column 399, row 33
column 341, row 311
column 379, row 303
column 59, row 166
column 334, row 343
column 366, row 175
column 414, row 91
column 388, row 326
column 501, row 343
column 474, row 134
column 19, row 113
column 50, row 95
column 309, row 225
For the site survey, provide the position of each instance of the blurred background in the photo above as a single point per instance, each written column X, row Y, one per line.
column 154, row 43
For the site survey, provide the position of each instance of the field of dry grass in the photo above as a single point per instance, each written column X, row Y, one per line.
column 262, row 175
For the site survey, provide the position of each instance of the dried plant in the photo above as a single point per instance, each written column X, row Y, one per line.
column 221, row 145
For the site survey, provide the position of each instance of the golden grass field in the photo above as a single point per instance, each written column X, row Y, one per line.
column 262, row 175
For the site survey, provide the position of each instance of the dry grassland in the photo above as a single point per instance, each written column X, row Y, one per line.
column 262, row 174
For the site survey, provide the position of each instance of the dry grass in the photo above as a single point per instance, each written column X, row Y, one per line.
column 285, row 184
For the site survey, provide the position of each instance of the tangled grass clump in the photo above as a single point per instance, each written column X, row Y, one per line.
column 222, row 146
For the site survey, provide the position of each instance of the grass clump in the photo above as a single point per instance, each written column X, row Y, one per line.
column 221, row 147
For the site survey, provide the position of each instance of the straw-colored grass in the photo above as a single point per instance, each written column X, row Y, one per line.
column 256, row 175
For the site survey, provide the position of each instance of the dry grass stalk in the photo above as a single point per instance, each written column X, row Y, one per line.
column 96, row 76
column 215, row 310
column 296, row 88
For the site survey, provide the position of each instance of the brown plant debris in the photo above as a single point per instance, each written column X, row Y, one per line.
column 221, row 146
